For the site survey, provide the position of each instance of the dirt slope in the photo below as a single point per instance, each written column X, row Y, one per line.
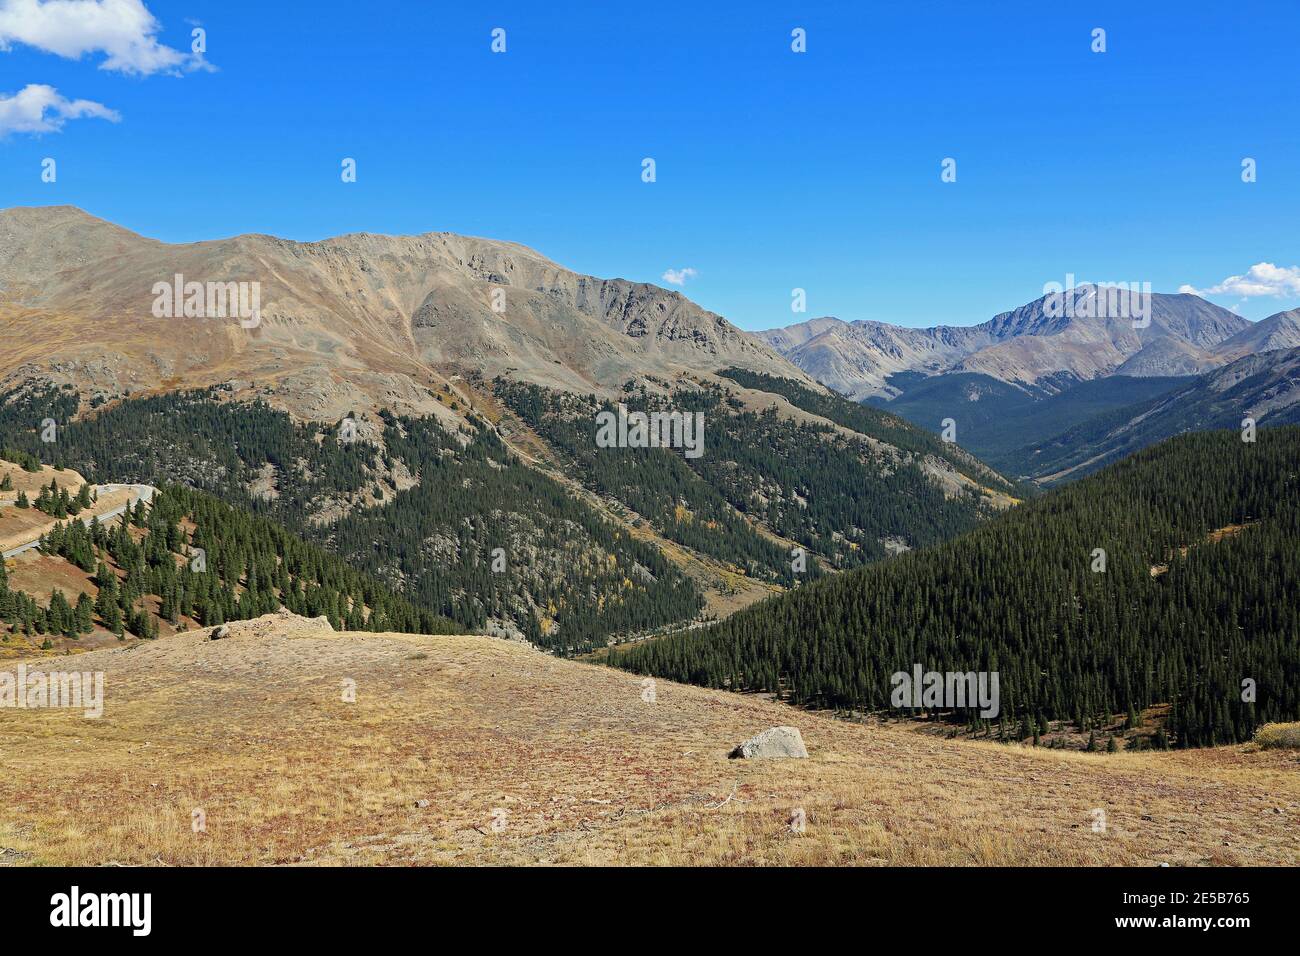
column 254, row 731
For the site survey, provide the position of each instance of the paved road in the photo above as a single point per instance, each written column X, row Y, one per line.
column 138, row 493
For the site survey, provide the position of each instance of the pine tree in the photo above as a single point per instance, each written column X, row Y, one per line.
column 85, row 614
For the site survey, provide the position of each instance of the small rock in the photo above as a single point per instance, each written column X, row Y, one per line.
column 219, row 632
column 421, row 803
column 774, row 743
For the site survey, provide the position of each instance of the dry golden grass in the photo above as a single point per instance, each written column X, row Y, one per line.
column 1285, row 736
column 32, row 482
column 254, row 731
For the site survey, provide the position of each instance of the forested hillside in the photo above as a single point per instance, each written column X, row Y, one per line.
column 883, row 425
column 458, row 524
column 1263, row 387
column 1197, row 597
column 196, row 439
column 996, row 420
column 832, row 494
column 191, row 558
column 451, row 521
column 485, row 536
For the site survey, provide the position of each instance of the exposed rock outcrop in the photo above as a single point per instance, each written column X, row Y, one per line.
column 777, row 742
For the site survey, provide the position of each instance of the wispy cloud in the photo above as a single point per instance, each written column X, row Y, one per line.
column 37, row 108
column 123, row 30
column 679, row 276
column 1261, row 279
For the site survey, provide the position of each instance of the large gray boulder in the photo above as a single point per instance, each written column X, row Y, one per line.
column 777, row 742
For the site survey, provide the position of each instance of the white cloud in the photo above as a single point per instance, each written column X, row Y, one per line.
column 679, row 276
column 123, row 30
column 37, row 108
column 1261, row 279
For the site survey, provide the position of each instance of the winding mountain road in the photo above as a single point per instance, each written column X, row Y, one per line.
column 137, row 493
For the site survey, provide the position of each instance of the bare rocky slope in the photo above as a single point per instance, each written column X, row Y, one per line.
column 1279, row 331
column 857, row 358
column 358, row 321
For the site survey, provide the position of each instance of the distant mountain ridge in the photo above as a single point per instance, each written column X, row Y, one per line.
column 1049, row 438
column 1038, row 345
column 1278, row 331
column 857, row 358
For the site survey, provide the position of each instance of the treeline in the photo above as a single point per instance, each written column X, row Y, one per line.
column 1205, row 622
column 53, row 500
column 231, row 566
column 25, row 615
column 25, row 460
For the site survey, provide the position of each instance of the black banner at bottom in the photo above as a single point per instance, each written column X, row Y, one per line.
column 333, row 906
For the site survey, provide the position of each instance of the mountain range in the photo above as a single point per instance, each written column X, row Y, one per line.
column 471, row 370
column 1036, row 346
column 1042, row 394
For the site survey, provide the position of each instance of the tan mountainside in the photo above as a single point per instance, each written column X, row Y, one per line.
column 351, row 322
column 285, row 743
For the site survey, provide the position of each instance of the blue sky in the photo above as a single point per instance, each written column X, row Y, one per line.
column 775, row 170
